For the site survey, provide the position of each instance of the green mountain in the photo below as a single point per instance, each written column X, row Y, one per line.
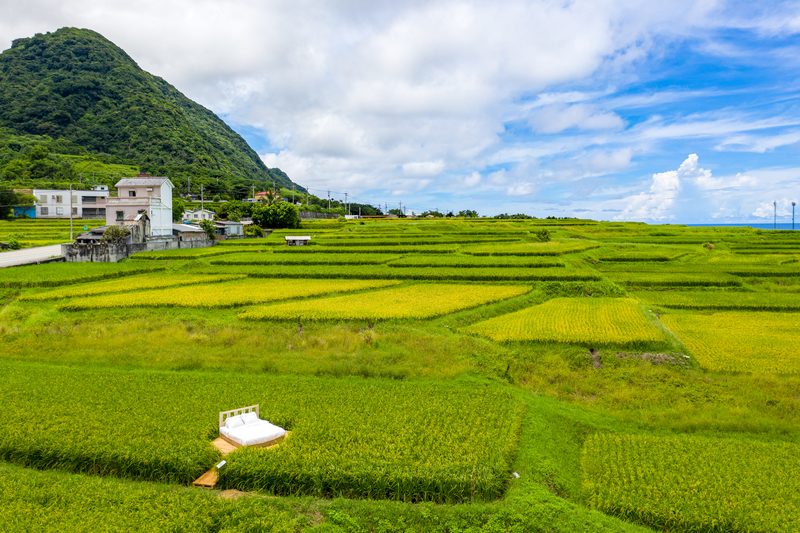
column 76, row 88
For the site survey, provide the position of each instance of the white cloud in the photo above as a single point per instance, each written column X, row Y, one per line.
column 411, row 96
column 656, row 203
column 557, row 118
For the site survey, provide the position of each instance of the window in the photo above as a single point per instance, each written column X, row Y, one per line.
column 120, row 215
column 45, row 211
column 43, row 198
column 74, row 210
column 59, row 199
column 59, row 210
column 89, row 199
column 131, row 193
column 74, row 199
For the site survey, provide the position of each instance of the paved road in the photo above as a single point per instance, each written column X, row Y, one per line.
column 29, row 255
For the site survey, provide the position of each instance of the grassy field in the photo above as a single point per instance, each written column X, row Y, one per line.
column 436, row 375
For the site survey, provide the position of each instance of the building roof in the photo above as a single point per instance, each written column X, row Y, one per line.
column 185, row 228
column 228, row 222
column 138, row 182
column 298, row 238
column 199, row 210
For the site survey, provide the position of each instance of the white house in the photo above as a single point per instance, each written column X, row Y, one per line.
column 139, row 195
column 198, row 214
column 56, row 203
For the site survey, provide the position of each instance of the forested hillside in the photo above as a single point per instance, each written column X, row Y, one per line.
column 91, row 99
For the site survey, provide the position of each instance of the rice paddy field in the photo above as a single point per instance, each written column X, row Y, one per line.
column 441, row 375
column 42, row 232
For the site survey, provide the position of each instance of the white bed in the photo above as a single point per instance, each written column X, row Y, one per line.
column 243, row 427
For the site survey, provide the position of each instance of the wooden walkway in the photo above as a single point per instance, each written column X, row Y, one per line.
column 209, row 479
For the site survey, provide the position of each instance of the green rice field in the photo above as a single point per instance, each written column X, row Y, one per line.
column 445, row 375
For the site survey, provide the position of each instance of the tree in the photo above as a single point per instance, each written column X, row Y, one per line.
column 9, row 199
column 279, row 215
column 115, row 234
column 270, row 197
column 397, row 212
column 178, row 208
column 468, row 213
column 209, row 228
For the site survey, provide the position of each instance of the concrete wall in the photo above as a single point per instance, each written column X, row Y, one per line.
column 111, row 253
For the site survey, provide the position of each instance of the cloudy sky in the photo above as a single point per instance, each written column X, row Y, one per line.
column 679, row 111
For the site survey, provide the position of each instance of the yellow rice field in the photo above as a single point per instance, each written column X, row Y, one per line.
column 415, row 301
column 761, row 343
column 573, row 320
column 133, row 283
column 229, row 294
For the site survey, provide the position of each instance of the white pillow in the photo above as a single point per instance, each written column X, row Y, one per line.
column 249, row 418
column 234, row 422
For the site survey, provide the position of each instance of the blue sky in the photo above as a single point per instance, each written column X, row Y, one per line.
column 678, row 112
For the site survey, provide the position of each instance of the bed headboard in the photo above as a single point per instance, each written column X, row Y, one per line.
column 223, row 415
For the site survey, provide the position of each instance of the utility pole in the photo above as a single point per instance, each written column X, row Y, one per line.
column 189, row 186
column 292, row 194
column 254, row 191
column 793, row 214
column 385, row 208
column 201, row 201
column 345, row 203
column 70, row 212
column 329, row 199
column 775, row 219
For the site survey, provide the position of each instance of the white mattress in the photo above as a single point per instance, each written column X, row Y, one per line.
column 253, row 433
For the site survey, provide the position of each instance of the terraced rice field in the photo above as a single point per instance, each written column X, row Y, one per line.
column 406, row 441
column 436, row 375
column 588, row 321
column 409, row 302
column 233, row 293
column 748, row 301
column 761, row 343
column 688, row 483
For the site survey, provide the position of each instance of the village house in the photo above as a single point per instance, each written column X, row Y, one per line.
column 229, row 228
column 57, row 203
column 143, row 194
column 197, row 215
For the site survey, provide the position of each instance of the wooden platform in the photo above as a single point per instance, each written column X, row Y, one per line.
column 207, row 480
column 223, row 446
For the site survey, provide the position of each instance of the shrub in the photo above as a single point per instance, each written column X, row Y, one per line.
column 13, row 244
column 115, row 234
column 252, row 229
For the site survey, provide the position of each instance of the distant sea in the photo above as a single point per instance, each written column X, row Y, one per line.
column 753, row 225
